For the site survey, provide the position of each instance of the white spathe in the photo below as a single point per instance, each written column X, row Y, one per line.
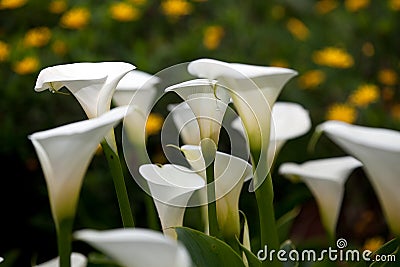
column 77, row 260
column 230, row 174
column 171, row 186
column 137, row 247
column 254, row 90
column 92, row 83
column 65, row 153
column 208, row 101
column 289, row 121
column 325, row 178
column 379, row 151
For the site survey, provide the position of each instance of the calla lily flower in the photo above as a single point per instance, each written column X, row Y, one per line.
column 65, row 153
column 77, row 260
column 230, row 174
column 325, row 178
column 289, row 121
column 92, row 84
column 201, row 93
column 379, row 151
column 136, row 88
column 171, row 186
column 137, row 247
column 185, row 120
column 254, row 90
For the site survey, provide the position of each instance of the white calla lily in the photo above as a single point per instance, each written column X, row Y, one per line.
column 201, row 93
column 137, row 247
column 171, row 186
column 92, row 84
column 77, row 260
column 379, row 151
column 230, row 174
column 254, row 90
column 325, row 178
column 65, row 153
column 289, row 121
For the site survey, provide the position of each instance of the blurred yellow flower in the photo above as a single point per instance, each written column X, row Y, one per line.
column 355, row 5
column 311, row 79
column 394, row 5
column 154, row 123
column 59, row 48
column 333, row 57
column 4, row 51
column 297, row 29
column 364, row 95
column 374, row 243
column 26, row 66
column 176, row 8
column 76, row 18
column 11, row 4
column 342, row 112
column 325, row 6
column 37, row 37
column 212, row 36
column 395, row 111
column 57, row 6
column 368, row 49
column 387, row 77
column 123, row 12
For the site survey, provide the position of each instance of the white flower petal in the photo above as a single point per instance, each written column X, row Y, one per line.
column 92, row 84
column 65, row 153
column 171, row 186
column 325, row 178
column 200, row 93
column 186, row 123
column 379, row 150
column 137, row 247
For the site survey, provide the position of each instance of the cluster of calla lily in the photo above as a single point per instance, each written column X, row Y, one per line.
column 211, row 179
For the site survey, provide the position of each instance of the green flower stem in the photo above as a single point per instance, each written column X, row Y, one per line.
column 119, row 183
column 212, row 205
column 265, row 202
column 64, row 241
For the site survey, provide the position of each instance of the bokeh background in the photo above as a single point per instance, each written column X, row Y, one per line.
column 346, row 52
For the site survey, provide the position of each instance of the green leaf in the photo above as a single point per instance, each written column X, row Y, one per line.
column 389, row 248
column 284, row 223
column 252, row 259
column 206, row 250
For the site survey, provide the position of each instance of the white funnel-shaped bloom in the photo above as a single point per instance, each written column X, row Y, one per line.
column 137, row 247
column 325, row 178
column 379, row 151
column 254, row 90
column 77, row 260
column 208, row 101
column 65, row 153
column 92, row 84
column 230, row 174
column 171, row 187
column 289, row 121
